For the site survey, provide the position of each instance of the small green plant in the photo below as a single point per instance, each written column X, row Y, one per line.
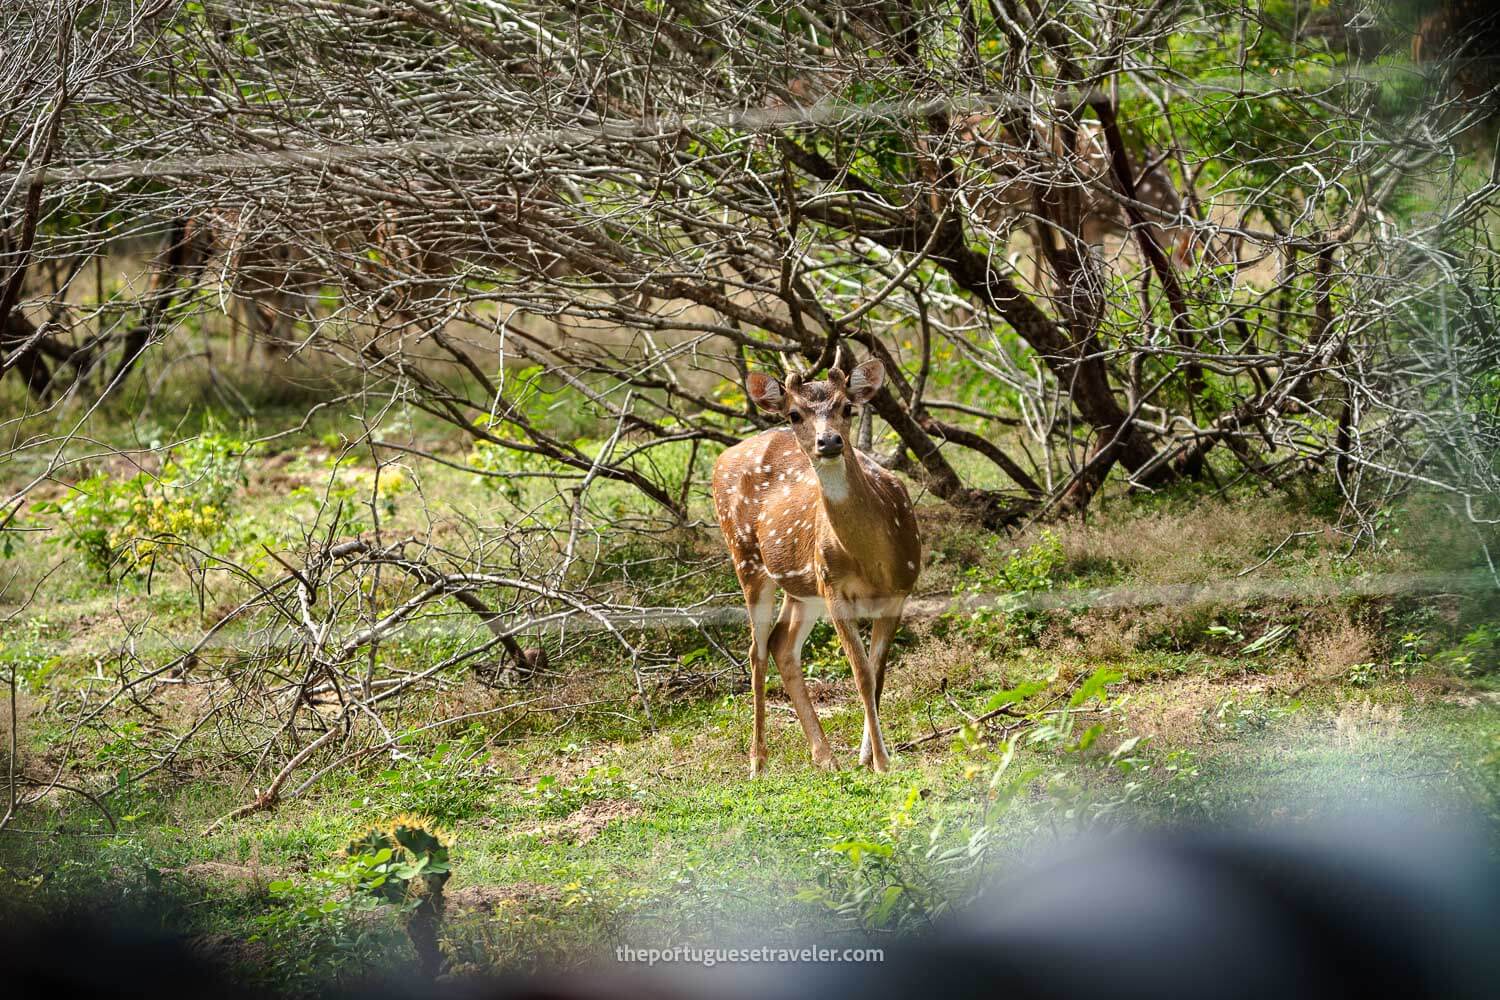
column 1244, row 717
column 555, row 797
column 1034, row 567
column 1406, row 660
column 822, row 654
column 1273, row 637
column 124, row 526
column 1025, row 571
column 1477, row 653
column 450, row 782
column 1270, row 639
column 893, row 878
column 398, row 862
column 1410, row 654
column 1226, row 632
column 404, row 864
column 26, row 653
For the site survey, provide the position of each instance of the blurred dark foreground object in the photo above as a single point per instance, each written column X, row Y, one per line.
column 1353, row 911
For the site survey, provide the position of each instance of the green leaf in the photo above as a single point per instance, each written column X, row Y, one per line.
column 1273, row 637
column 1005, row 761
column 1094, row 686
column 1125, row 747
column 1013, row 695
column 888, row 901
column 1090, row 734
column 856, row 850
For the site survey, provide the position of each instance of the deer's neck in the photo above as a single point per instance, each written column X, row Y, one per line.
column 846, row 493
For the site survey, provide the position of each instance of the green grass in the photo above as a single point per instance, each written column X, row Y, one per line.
column 702, row 851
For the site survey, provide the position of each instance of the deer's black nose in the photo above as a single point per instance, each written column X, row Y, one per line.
column 830, row 445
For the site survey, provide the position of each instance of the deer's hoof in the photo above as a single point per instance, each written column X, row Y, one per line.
column 757, row 766
column 829, row 763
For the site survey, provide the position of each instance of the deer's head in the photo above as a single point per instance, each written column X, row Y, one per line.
column 819, row 412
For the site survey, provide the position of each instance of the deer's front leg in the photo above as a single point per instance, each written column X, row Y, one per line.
column 881, row 633
column 797, row 620
column 841, row 611
column 760, row 599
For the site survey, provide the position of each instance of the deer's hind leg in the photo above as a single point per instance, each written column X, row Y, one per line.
column 760, row 601
column 797, row 620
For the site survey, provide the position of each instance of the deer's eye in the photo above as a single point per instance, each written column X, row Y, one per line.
column 795, row 417
column 848, row 409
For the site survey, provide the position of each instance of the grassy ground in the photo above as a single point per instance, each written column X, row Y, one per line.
column 1320, row 679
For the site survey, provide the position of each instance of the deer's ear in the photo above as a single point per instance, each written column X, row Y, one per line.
column 865, row 381
column 765, row 392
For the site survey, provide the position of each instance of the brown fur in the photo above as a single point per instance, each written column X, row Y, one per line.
column 835, row 532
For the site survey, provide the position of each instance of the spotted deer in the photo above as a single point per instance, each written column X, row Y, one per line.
column 802, row 509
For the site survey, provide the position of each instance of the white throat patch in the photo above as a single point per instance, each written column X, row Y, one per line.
column 833, row 479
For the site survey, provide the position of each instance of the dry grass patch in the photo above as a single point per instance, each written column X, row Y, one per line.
column 1182, row 547
column 1330, row 651
column 588, row 821
column 26, row 707
column 252, row 879
column 1104, row 635
column 1358, row 723
column 1178, row 711
column 491, row 898
column 922, row 670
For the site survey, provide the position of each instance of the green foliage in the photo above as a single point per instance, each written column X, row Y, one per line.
column 450, row 782
column 1024, row 571
column 1274, row 636
column 320, row 931
column 534, row 400
column 350, row 492
column 823, row 654
column 554, row 796
column 124, row 526
column 1034, row 567
column 397, row 862
column 1247, row 716
column 1405, row 661
column 887, row 878
column 24, row 652
column 1478, row 652
column 905, row 874
column 321, row 926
